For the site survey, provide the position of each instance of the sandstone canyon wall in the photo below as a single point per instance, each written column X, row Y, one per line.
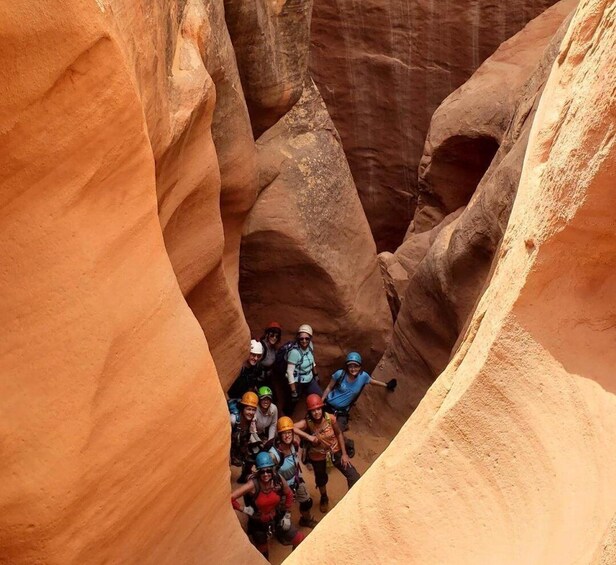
column 108, row 453
column 308, row 210
column 307, row 253
column 383, row 68
column 444, row 263
column 271, row 43
column 510, row 457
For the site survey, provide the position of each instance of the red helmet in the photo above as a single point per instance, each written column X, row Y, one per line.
column 273, row 326
column 313, row 401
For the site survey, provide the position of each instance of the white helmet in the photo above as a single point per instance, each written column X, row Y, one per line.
column 256, row 347
column 305, row 329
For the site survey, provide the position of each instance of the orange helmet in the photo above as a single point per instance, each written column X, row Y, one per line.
column 284, row 424
column 250, row 399
column 313, row 401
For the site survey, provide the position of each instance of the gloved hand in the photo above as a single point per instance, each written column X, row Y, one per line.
column 285, row 523
column 294, row 395
column 392, row 384
column 248, row 510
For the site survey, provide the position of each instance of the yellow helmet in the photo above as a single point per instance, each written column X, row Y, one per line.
column 250, row 399
column 284, row 424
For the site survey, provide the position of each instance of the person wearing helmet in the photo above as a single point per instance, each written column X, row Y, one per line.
column 345, row 387
column 251, row 373
column 285, row 455
column 301, row 370
column 270, row 340
column 324, row 437
column 266, row 417
column 245, row 441
column 267, row 502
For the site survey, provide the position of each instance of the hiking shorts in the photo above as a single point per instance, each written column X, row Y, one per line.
column 320, row 471
column 301, row 493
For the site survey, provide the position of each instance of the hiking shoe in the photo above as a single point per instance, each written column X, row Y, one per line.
column 324, row 504
column 308, row 522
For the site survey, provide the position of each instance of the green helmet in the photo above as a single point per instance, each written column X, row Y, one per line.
column 265, row 392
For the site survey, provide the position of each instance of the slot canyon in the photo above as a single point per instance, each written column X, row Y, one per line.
column 427, row 183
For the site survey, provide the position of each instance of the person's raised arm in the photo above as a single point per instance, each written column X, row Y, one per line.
column 249, row 487
column 390, row 385
column 299, row 428
column 329, row 388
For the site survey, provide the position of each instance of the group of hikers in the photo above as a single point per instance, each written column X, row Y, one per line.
column 269, row 447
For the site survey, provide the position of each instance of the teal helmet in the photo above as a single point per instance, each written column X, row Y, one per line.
column 265, row 392
column 353, row 357
column 263, row 460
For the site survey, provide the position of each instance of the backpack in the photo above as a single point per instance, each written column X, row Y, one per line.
column 280, row 362
column 233, row 404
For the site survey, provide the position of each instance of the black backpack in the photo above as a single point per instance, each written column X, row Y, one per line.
column 280, row 363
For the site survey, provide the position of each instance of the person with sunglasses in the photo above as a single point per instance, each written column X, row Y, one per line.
column 345, row 387
column 301, row 370
column 270, row 340
column 267, row 503
column 251, row 373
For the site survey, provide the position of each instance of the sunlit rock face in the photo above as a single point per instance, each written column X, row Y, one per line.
column 199, row 129
column 449, row 249
column 308, row 254
column 510, row 457
column 383, row 68
column 108, row 454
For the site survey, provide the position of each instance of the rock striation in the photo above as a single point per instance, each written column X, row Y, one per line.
column 449, row 263
column 510, row 457
column 383, row 68
column 307, row 211
column 271, row 41
column 108, row 454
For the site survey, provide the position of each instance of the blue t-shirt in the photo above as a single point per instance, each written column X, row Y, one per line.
column 345, row 391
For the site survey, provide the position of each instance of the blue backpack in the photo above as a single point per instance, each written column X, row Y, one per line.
column 234, row 406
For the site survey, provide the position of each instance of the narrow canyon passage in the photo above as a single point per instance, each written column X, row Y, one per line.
column 425, row 184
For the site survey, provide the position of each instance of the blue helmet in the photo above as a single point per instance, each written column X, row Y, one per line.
column 353, row 357
column 263, row 460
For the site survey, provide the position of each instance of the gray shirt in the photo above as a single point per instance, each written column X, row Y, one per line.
column 266, row 423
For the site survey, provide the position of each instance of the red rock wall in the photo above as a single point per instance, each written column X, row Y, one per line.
column 307, row 253
column 383, row 68
column 108, row 454
column 510, row 457
column 271, row 41
column 445, row 282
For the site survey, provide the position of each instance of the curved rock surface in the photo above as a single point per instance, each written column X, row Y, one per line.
column 510, row 457
column 445, row 283
column 108, row 455
column 272, row 42
column 383, row 68
column 293, row 269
